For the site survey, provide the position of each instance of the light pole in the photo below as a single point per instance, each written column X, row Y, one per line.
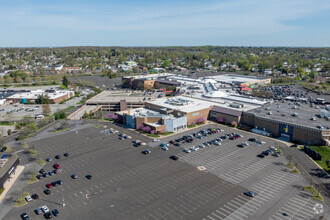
column 63, row 204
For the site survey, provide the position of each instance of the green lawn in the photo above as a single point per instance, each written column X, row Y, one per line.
column 55, row 131
column 191, row 126
column 6, row 123
column 166, row 133
column 152, row 135
column 1, row 190
column 41, row 162
column 316, row 195
column 21, row 200
column 33, row 178
column 325, row 152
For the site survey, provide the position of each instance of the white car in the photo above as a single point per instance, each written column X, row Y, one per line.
column 272, row 148
column 186, row 150
column 217, row 143
column 194, row 148
column 164, row 148
column 245, row 143
column 156, row 140
column 28, row 198
column 44, row 209
column 201, row 146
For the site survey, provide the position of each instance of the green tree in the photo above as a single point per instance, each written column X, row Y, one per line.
column 65, row 81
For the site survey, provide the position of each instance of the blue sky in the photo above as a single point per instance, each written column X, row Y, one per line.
column 26, row 23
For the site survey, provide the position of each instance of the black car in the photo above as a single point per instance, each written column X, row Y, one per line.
column 89, row 176
column 35, row 196
column 252, row 139
column 66, row 154
column 266, row 152
column 56, row 212
column 177, row 144
column 39, row 176
column 74, row 176
column 48, row 215
column 58, row 156
column 60, row 182
column 42, row 171
column 146, row 152
column 24, row 216
column 3, row 149
column 173, row 157
column 261, row 155
column 45, row 175
column 47, row 191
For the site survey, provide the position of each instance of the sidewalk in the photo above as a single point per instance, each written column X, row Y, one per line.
column 11, row 181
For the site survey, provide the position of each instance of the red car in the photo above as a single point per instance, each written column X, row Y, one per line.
column 56, row 166
column 55, row 171
column 49, row 185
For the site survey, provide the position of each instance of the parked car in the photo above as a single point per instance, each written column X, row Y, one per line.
column 51, row 173
column 38, row 211
column 39, row 176
column 146, row 152
column 249, row 193
column 3, row 149
column 60, row 182
column 165, row 148
column 56, row 166
column 66, row 154
column 48, row 185
column 25, row 216
column 48, row 215
column 48, row 159
column 35, row 196
column 260, row 155
column 54, row 183
column 74, row 176
column 276, row 154
column 47, row 191
column 58, row 156
column 28, row 198
column 56, row 212
column 173, row 157
column 44, row 209
column 186, row 150
column 177, row 144
column 88, row 176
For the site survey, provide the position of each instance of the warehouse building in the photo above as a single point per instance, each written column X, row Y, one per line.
column 54, row 96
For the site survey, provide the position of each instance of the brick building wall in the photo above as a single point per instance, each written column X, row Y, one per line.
column 227, row 118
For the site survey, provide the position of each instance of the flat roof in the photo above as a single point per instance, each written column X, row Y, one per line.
column 183, row 103
column 233, row 78
column 156, row 75
column 283, row 111
column 226, row 111
column 34, row 94
column 115, row 96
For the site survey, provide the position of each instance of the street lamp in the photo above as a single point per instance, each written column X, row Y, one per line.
column 63, row 204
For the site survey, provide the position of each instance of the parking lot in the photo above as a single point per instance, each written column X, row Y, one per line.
column 204, row 184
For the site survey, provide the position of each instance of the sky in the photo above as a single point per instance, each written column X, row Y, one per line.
column 36, row 23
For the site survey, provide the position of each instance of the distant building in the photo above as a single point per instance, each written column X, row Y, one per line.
column 54, row 96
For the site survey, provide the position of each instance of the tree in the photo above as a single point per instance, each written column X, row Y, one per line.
column 65, row 82
column 9, row 80
column 28, row 80
column 9, row 131
column 19, row 80
column 46, row 109
column 234, row 124
column 42, row 99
